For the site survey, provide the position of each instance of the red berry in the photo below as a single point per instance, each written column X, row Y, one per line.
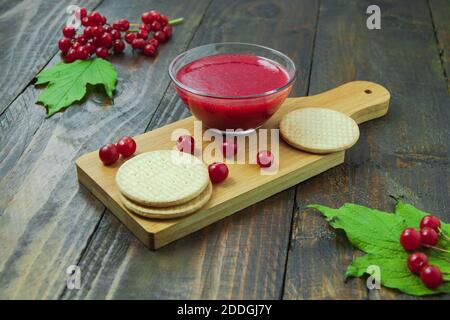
column 87, row 32
column 118, row 46
column 108, row 154
column 153, row 42
column 121, row 25
column 104, row 20
column 116, row 26
column 146, row 18
column 142, row 33
column 97, row 31
column 218, row 172
column 82, row 12
column 86, row 22
column 431, row 277
column 82, row 53
column 154, row 15
column 96, row 18
column 116, row 34
column 229, row 148
column 417, row 261
column 69, row 31
column 107, row 39
column 149, row 50
column 97, row 42
column 410, row 239
column 102, row 52
column 125, row 24
column 430, row 221
column 81, row 39
column 168, row 31
column 71, row 55
column 138, row 44
column 186, row 143
column 126, row 146
column 155, row 26
column 90, row 47
column 160, row 36
column 129, row 37
column 429, row 236
column 76, row 45
column 108, row 28
column 64, row 44
column 164, row 20
column 264, row 159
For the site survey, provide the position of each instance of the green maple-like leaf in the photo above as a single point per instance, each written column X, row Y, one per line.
column 377, row 234
column 67, row 82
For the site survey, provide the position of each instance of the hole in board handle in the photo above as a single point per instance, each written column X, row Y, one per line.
column 368, row 91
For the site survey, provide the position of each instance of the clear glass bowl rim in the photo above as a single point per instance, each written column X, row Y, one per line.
column 196, row 92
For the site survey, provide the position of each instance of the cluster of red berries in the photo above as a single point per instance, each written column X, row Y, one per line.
column 218, row 171
column 100, row 38
column 428, row 236
column 109, row 153
column 152, row 22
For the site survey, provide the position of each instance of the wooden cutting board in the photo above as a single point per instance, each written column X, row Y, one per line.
column 245, row 185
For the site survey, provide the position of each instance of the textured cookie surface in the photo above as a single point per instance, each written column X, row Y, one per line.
column 162, row 178
column 319, row 130
column 169, row 212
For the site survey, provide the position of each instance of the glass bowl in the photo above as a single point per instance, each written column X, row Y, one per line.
column 232, row 112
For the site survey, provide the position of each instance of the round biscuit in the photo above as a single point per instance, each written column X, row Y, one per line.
column 162, row 178
column 319, row 130
column 169, row 212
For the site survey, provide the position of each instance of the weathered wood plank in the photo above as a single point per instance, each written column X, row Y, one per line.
column 440, row 13
column 405, row 153
column 46, row 218
column 29, row 33
column 244, row 255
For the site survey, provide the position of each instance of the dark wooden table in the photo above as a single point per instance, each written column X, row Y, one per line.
column 275, row 249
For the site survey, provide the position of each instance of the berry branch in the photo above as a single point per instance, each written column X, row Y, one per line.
column 174, row 22
column 441, row 232
column 428, row 237
column 102, row 39
column 436, row 248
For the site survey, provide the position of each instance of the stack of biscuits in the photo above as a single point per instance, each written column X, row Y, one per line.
column 164, row 184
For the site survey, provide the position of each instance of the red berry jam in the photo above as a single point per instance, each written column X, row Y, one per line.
column 231, row 91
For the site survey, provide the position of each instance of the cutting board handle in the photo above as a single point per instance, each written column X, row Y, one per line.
column 361, row 100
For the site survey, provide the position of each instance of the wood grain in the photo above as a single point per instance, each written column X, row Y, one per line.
column 440, row 13
column 46, row 219
column 403, row 154
column 29, row 33
column 48, row 222
column 242, row 256
column 245, row 185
